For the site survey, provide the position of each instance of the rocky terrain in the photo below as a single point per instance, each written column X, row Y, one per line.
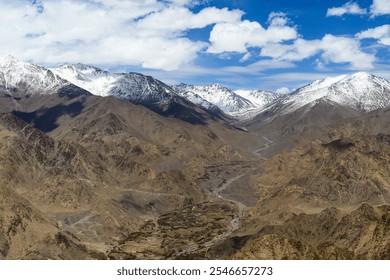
column 96, row 165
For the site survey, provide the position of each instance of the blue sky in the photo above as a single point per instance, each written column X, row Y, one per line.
column 258, row 44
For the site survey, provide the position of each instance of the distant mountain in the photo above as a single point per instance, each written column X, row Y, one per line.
column 260, row 98
column 133, row 87
column 136, row 88
column 310, row 112
column 34, row 79
column 141, row 89
column 361, row 91
column 209, row 96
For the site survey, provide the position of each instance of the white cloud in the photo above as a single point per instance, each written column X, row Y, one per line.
column 239, row 36
column 258, row 67
column 231, row 76
column 332, row 49
column 346, row 50
column 283, row 90
column 153, row 34
column 184, row 19
column 380, row 7
column 147, row 33
column 277, row 18
column 348, row 8
column 246, row 56
column 381, row 33
column 299, row 50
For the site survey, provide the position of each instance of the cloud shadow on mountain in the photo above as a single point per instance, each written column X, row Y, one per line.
column 179, row 111
column 46, row 119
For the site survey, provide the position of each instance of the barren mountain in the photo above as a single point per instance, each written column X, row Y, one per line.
column 327, row 200
column 101, row 167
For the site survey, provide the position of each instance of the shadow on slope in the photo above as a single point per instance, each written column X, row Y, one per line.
column 46, row 119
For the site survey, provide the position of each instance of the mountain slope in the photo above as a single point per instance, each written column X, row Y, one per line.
column 133, row 87
column 101, row 167
column 20, row 76
column 214, row 95
column 361, row 91
column 260, row 98
column 326, row 200
column 311, row 111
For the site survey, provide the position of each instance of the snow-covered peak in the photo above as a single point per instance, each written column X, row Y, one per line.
column 134, row 87
column 215, row 94
column 361, row 91
column 84, row 71
column 31, row 78
column 90, row 78
column 260, row 98
column 7, row 60
column 140, row 88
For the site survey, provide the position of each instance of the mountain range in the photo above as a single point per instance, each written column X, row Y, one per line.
column 95, row 165
column 360, row 91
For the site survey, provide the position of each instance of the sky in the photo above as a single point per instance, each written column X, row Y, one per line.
column 276, row 45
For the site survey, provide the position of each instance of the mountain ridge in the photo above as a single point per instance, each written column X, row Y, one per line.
column 361, row 90
column 34, row 78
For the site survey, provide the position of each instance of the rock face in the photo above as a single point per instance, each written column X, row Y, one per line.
column 103, row 176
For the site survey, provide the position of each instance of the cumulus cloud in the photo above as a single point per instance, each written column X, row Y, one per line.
column 148, row 33
column 381, row 33
column 299, row 50
column 380, row 7
column 184, row 19
column 345, row 50
column 348, row 8
column 332, row 49
column 239, row 36
column 153, row 34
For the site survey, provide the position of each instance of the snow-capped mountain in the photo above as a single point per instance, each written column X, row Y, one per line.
column 361, row 91
column 33, row 79
column 214, row 95
column 195, row 98
column 260, row 98
column 134, row 87
column 90, row 78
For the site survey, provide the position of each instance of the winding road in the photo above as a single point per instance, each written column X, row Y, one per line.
column 266, row 145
